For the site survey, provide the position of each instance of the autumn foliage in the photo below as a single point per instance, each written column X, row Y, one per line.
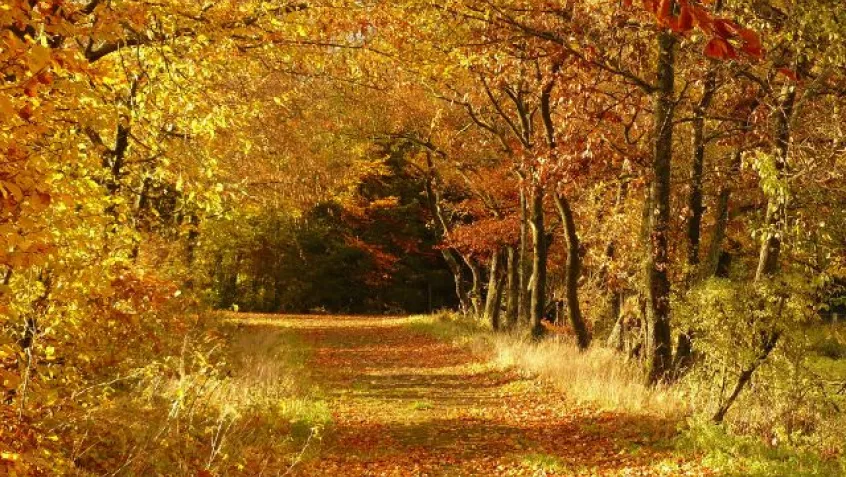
column 662, row 178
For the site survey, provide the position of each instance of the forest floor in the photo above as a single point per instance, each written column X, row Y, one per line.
column 405, row 403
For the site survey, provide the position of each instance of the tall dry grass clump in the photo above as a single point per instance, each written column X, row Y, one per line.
column 598, row 376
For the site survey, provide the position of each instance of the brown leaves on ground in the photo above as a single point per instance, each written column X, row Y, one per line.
column 405, row 403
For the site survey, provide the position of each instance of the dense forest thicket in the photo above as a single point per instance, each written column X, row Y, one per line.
column 661, row 177
column 377, row 257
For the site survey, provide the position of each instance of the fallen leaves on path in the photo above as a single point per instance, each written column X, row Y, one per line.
column 407, row 404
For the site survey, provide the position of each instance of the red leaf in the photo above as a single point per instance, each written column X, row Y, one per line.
column 45, row 78
column 685, row 23
column 714, row 48
column 755, row 52
column 650, row 5
column 665, row 11
column 789, row 73
column 26, row 112
column 726, row 28
column 673, row 23
column 751, row 43
column 749, row 36
column 702, row 19
column 731, row 53
column 720, row 49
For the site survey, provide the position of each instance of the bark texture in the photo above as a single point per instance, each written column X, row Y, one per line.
column 573, row 272
column 660, row 351
column 538, row 303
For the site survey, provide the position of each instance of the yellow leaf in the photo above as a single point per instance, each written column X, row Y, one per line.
column 12, row 188
column 39, row 57
column 7, row 109
column 9, row 380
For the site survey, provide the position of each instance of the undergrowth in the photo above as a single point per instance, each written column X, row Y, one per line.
column 745, row 456
column 224, row 400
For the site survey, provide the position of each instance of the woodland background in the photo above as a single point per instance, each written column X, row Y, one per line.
column 663, row 178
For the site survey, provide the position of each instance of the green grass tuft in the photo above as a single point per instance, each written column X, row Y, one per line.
column 734, row 455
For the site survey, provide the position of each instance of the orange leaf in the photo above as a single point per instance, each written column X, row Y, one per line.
column 40, row 199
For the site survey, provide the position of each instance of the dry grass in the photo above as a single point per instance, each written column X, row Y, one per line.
column 263, row 370
column 598, row 376
column 235, row 401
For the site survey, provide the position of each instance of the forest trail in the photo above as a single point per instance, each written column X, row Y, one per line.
column 405, row 403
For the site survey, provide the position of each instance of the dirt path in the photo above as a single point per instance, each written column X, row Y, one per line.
column 405, row 403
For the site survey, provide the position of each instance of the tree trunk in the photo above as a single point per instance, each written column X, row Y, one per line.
column 658, row 282
column 494, row 297
column 475, row 286
column 114, row 161
column 642, row 296
column 695, row 200
column 616, row 339
column 433, row 200
column 231, row 293
column 715, row 246
column 613, row 295
column 712, row 259
column 573, row 271
column 538, row 303
column 524, row 266
column 191, row 243
column 455, row 268
column 700, row 111
column 512, row 286
column 771, row 246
